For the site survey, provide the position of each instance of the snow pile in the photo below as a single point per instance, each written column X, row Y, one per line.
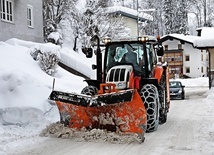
column 96, row 135
column 78, row 62
column 20, row 116
column 24, row 108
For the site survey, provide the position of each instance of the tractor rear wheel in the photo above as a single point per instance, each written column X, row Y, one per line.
column 89, row 90
column 149, row 95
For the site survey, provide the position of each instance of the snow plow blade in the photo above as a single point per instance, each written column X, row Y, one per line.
column 121, row 111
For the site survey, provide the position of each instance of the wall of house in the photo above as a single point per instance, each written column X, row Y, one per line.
column 195, row 63
column 132, row 24
column 172, row 44
column 19, row 29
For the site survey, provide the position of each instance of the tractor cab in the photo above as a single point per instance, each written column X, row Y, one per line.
column 124, row 56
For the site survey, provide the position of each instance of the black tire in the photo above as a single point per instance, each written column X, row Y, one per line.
column 163, row 107
column 183, row 97
column 163, row 100
column 149, row 95
column 89, row 90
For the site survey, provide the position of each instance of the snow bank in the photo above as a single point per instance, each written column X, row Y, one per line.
column 25, row 87
column 78, row 62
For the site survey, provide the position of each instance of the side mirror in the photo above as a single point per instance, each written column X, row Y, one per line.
column 88, row 52
column 160, row 51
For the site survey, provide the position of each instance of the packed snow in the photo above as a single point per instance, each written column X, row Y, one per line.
column 25, row 111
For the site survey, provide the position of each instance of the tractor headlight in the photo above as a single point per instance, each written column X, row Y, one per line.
column 143, row 39
column 106, row 40
column 121, row 85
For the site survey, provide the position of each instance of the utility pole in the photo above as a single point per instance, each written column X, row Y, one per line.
column 137, row 20
column 205, row 12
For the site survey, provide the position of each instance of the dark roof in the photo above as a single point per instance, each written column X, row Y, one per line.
column 182, row 38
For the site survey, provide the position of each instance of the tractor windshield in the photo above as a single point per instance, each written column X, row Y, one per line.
column 130, row 53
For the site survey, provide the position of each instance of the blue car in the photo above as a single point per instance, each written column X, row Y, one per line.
column 176, row 90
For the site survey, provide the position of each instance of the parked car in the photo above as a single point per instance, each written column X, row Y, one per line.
column 176, row 90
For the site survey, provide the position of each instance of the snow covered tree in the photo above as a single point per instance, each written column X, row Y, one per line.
column 203, row 11
column 175, row 16
column 92, row 20
column 103, row 3
column 48, row 57
column 181, row 18
column 53, row 13
column 156, row 26
column 184, row 18
column 168, row 15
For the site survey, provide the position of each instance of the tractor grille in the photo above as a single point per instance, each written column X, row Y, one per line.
column 117, row 75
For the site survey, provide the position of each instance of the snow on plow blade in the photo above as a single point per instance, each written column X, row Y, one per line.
column 118, row 111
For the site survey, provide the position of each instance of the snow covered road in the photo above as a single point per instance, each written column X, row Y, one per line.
column 189, row 130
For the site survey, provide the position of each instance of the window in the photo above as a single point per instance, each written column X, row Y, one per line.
column 202, row 69
column 166, row 47
column 29, row 16
column 178, row 58
column 6, row 10
column 187, row 69
column 202, row 57
column 179, row 46
column 207, row 57
column 187, row 58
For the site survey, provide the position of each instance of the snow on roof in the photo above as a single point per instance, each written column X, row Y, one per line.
column 130, row 13
column 204, row 41
column 206, row 32
column 207, row 38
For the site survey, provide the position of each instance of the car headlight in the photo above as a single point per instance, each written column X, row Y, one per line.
column 180, row 91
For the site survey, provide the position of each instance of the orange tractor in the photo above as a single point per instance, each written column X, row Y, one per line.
column 130, row 94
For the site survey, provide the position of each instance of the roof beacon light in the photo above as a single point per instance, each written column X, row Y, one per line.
column 106, row 40
column 143, row 39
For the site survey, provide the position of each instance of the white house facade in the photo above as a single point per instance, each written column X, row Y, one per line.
column 194, row 61
column 206, row 42
column 21, row 19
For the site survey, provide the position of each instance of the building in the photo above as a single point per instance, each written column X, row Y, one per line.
column 183, row 58
column 206, row 42
column 21, row 19
column 131, row 18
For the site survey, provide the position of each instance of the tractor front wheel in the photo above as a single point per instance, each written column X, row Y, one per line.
column 149, row 95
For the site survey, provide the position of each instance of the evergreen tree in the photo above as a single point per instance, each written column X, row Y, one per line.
column 184, row 18
column 175, row 16
column 168, row 16
column 154, row 27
